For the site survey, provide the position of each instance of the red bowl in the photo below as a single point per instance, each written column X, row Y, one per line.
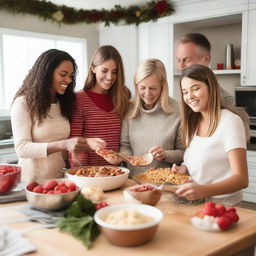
column 9, row 177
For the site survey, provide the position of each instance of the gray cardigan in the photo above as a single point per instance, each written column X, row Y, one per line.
column 153, row 127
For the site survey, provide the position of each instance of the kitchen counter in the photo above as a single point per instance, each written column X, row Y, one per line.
column 175, row 236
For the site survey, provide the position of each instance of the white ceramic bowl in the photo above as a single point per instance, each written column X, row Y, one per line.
column 105, row 183
column 129, row 235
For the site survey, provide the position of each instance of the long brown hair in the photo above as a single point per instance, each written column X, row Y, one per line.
column 119, row 92
column 37, row 85
column 147, row 68
column 189, row 118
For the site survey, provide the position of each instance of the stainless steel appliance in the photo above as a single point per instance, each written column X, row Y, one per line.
column 245, row 97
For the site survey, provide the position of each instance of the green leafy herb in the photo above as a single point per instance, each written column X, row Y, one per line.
column 79, row 222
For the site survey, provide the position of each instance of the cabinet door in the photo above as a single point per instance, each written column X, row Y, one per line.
column 124, row 39
column 155, row 41
column 248, row 77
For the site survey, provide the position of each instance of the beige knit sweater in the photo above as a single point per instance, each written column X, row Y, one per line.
column 153, row 127
column 31, row 140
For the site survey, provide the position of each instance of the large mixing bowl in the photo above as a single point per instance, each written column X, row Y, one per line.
column 51, row 202
column 105, row 182
column 129, row 235
column 10, row 179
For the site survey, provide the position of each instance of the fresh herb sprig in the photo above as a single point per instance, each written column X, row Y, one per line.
column 79, row 221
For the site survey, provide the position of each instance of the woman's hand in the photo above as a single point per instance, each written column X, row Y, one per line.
column 96, row 143
column 182, row 169
column 191, row 191
column 157, row 152
column 76, row 144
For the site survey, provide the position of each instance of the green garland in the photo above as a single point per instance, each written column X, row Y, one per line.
column 68, row 15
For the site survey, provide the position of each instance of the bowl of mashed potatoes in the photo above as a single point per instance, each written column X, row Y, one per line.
column 129, row 224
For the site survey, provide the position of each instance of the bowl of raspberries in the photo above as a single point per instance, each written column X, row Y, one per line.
column 52, row 195
column 215, row 217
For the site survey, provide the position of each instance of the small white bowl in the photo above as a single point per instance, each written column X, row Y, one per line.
column 105, row 183
column 129, row 235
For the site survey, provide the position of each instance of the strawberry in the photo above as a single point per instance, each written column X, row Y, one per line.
column 221, row 208
column 50, row 184
column 210, row 211
column 71, row 185
column 231, row 209
column 50, row 192
column 209, row 204
column 232, row 216
column 32, row 185
column 101, row 205
column 223, row 222
column 38, row 189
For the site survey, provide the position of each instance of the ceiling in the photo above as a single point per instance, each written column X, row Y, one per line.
column 98, row 4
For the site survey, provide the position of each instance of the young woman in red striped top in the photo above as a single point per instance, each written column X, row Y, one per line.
column 100, row 106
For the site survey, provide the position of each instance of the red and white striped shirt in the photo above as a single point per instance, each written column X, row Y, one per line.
column 91, row 121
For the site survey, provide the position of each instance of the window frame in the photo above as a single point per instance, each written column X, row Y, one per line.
column 5, row 111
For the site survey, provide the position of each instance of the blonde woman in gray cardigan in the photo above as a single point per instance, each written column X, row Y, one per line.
column 152, row 123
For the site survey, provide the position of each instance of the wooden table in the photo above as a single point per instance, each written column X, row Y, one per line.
column 175, row 236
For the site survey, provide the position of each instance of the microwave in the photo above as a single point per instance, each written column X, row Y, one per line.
column 245, row 97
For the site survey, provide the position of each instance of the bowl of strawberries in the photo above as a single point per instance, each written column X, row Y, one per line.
column 215, row 217
column 9, row 177
column 52, row 195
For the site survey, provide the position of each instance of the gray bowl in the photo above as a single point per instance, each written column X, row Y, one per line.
column 51, row 202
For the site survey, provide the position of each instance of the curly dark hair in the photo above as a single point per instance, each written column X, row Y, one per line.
column 36, row 86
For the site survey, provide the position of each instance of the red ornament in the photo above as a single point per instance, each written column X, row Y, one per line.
column 161, row 7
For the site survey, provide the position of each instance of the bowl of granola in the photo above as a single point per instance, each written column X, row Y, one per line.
column 104, row 177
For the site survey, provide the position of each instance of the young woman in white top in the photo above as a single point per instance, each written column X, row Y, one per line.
column 215, row 138
column 40, row 117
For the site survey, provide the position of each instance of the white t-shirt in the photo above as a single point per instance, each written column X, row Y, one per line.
column 206, row 157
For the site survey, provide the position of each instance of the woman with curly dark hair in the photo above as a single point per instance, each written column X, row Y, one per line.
column 40, row 117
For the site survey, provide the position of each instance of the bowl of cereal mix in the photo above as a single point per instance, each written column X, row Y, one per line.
column 129, row 224
column 104, row 177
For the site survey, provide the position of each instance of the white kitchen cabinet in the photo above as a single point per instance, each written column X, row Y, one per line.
column 124, row 39
column 248, row 76
column 154, row 42
column 250, row 191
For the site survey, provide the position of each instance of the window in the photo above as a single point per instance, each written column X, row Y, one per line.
column 19, row 51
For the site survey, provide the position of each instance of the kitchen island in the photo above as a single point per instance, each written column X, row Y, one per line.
column 175, row 236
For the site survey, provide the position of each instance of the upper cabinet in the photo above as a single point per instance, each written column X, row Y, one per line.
column 221, row 21
column 248, row 76
column 124, row 39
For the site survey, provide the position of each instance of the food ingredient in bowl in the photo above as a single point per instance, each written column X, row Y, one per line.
column 52, row 187
column 127, row 218
column 161, row 175
column 95, row 194
column 97, row 171
column 9, row 177
column 145, row 194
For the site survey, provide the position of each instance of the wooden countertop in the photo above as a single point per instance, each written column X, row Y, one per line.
column 175, row 236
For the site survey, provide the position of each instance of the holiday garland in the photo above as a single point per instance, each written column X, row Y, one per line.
column 68, row 15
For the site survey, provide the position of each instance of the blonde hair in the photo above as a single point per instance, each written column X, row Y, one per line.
column 145, row 69
column 190, row 119
column 119, row 92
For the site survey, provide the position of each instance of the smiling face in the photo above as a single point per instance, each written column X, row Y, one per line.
column 195, row 94
column 149, row 90
column 106, row 75
column 188, row 54
column 62, row 78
